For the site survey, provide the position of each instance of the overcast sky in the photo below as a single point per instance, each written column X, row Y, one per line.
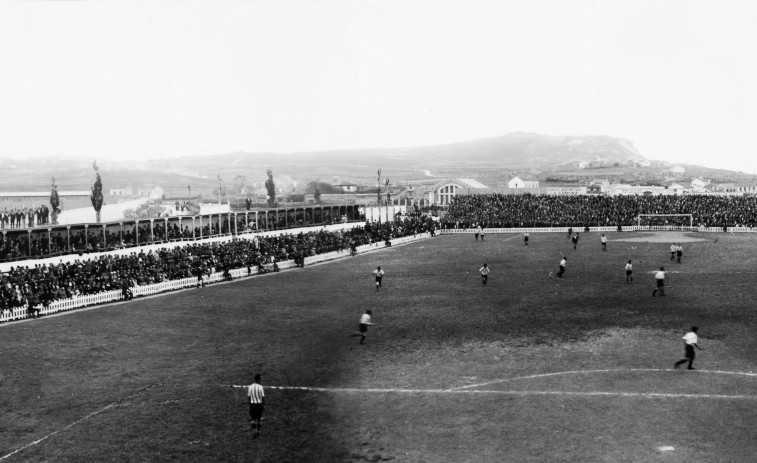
column 134, row 80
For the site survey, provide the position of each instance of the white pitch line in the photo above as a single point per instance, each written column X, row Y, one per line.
column 56, row 432
column 130, row 396
column 459, row 390
column 575, row 372
column 510, row 392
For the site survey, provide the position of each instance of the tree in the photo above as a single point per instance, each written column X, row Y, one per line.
column 317, row 191
column 271, row 187
column 97, row 194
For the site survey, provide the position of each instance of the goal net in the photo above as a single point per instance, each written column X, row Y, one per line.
column 665, row 221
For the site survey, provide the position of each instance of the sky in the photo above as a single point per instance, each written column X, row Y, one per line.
column 119, row 80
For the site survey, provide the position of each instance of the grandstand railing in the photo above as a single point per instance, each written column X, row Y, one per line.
column 625, row 228
column 76, row 302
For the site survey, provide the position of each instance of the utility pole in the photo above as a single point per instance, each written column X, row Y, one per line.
column 388, row 199
column 378, row 194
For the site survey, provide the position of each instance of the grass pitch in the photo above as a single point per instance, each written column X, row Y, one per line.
column 541, row 369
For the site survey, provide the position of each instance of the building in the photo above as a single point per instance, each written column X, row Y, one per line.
column 441, row 193
column 677, row 189
column 154, row 192
column 565, row 190
column 594, row 189
column 347, row 187
column 517, row 182
column 735, row 188
column 624, row 189
column 33, row 199
column 699, row 183
column 121, row 191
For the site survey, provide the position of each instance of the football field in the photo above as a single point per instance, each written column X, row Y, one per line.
column 530, row 367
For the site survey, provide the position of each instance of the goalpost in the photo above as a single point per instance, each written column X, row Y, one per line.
column 665, row 221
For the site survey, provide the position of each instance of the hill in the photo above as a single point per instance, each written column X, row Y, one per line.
column 491, row 159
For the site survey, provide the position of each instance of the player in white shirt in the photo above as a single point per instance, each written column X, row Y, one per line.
column 603, row 240
column 672, row 252
column 629, row 271
column 362, row 327
column 484, row 271
column 690, row 342
column 379, row 274
column 563, row 263
column 659, row 277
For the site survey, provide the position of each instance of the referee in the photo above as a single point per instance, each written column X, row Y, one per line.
column 257, row 404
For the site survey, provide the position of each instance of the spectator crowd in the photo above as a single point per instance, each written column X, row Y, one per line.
column 527, row 210
column 21, row 245
column 42, row 284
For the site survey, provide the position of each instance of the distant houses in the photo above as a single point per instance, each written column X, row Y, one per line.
column 145, row 191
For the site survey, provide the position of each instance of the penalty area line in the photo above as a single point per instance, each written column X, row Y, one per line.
column 577, row 372
column 97, row 412
column 31, row 444
column 505, row 392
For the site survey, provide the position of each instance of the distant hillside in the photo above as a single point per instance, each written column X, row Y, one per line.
column 487, row 158
column 510, row 152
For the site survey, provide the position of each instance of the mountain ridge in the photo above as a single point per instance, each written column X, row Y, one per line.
column 498, row 156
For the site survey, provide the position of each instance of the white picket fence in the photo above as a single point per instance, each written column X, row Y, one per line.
column 77, row 302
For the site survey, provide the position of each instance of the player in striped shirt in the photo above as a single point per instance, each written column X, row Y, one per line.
column 257, row 404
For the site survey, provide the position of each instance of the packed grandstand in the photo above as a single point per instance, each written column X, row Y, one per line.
column 516, row 211
column 39, row 285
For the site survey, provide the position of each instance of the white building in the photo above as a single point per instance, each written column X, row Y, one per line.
column 441, row 193
column 677, row 189
column 121, row 191
column 517, row 182
column 154, row 192
column 347, row 187
column 624, row 189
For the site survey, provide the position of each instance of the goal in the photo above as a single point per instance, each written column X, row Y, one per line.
column 665, row 221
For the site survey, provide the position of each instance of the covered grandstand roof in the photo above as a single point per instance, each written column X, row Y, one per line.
column 471, row 183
